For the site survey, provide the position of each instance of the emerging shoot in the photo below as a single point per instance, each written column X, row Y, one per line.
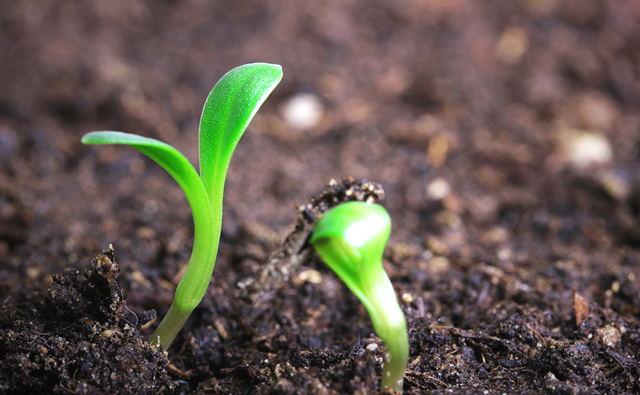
column 227, row 112
column 351, row 238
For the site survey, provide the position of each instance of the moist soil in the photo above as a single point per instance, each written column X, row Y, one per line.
column 502, row 137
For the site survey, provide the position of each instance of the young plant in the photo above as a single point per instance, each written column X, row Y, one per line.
column 227, row 112
column 351, row 238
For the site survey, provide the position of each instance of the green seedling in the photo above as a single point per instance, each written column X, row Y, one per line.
column 350, row 238
column 227, row 112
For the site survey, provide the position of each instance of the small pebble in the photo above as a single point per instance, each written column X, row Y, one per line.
column 587, row 148
column 609, row 335
column 309, row 275
column 303, row 111
column 438, row 189
column 512, row 45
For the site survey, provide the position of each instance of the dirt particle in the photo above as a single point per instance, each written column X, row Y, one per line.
column 512, row 45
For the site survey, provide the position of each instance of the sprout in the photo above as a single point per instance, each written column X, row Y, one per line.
column 227, row 112
column 351, row 238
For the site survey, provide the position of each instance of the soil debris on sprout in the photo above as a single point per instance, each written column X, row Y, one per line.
column 79, row 338
column 295, row 251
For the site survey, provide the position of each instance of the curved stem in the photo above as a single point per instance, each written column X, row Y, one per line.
column 194, row 282
column 391, row 325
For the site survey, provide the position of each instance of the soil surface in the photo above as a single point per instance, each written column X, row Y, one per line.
column 505, row 135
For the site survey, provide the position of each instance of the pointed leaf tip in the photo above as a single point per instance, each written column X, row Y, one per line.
column 227, row 112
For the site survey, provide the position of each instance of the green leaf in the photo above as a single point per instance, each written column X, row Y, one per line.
column 351, row 238
column 165, row 155
column 227, row 112
column 361, row 229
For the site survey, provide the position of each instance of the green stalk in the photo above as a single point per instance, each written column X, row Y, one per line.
column 391, row 326
column 193, row 284
column 227, row 112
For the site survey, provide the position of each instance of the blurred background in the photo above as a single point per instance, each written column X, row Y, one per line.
column 503, row 132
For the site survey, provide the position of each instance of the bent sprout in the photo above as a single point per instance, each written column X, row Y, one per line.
column 351, row 238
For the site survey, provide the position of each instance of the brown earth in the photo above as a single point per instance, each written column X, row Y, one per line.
column 504, row 133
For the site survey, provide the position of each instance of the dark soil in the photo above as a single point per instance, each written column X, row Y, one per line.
column 505, row 135
column 78, row 340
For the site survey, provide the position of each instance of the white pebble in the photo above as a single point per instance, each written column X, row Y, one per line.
column 303, row 111
column 586, row 148
column 438, row 189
